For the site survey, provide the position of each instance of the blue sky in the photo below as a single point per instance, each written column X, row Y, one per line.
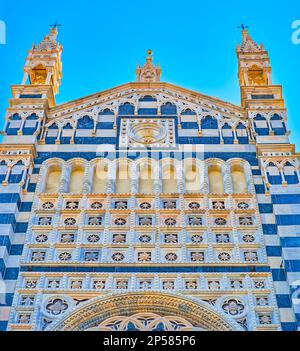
column 193, row 40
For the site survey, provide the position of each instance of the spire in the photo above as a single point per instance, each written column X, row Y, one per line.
column 43, row 64
column 248, row 44
column 49, row 43
column 148, row 73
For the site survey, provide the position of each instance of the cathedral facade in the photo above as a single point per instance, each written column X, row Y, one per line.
column 148, row 206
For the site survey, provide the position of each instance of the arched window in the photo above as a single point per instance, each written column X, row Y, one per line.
column 169, row 181
column 168, row 109
column 209, row 123
column 123, row 179
column 85, row 122
column 239, row 180
column 53, row 179
column 126, row 109
column 100, row 178
column 216, row 184
column 76, row 179
column 146, row 179
column 192, row 178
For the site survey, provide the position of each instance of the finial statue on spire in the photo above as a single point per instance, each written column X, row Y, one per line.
column 148, row 73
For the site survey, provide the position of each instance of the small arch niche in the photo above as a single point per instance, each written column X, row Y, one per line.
column 239, row 179
column 100, row 178
column 53, row 179
column 146, row 179
column 192, row 178
column 169, row 179
column 76, row 179
column 215, row 177
column 123, row 179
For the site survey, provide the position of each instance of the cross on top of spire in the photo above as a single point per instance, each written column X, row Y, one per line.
column 55, row 25
column 243, row 27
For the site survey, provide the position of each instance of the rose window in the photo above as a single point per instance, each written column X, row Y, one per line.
column 220, row 221
column 243, row 206
column 246, row 221
column 145, row 205
column 118, row 256
column 194, row 205
column 93, row 238
column 65, row 256
column 197, row 238
column 170, row 221
column 144, row 256
column 48, row 205
column 120, row 221
column 70, row 221
column 197, row 256
column 145, row 238
column 96, row 205
column 56, row 306
column 233, row 307
column 147, row 133
column 224, row 256
column 248, row 238
column 171, row 257
column 41, row 238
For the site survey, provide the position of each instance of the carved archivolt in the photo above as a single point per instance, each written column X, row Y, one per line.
column 97, row 311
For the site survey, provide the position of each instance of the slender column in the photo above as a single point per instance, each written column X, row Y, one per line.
column 235, row 139
column 5, row 181
column 38, row 127
column 284, row 182
column 25, row 77
column 20, row 131
column 57, row 141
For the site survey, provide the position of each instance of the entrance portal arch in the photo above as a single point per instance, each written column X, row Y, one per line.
column 145, row 311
